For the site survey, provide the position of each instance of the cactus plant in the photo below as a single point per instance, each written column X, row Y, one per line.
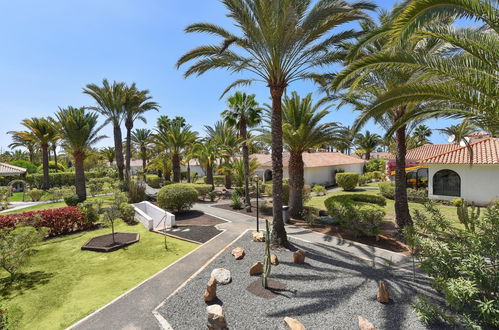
column 267, row 265
column 468, row 215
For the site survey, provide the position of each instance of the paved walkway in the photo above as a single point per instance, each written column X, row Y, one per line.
column 134, row 309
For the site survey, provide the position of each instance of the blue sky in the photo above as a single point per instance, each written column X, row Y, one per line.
column 51, row 49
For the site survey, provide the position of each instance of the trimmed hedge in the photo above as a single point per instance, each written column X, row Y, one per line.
column 218, row 180
column 177, row 197
column 360, row 213
column 153, row 181
column 347, row 181
column 60, row 221
column 202, row 188
column 387, row 189
column 60, row 179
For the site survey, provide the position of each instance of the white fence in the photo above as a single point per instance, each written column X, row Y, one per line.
column 152, row 216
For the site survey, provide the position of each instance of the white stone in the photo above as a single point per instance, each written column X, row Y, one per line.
column 221, row 275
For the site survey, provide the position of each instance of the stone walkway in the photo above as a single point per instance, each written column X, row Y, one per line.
column 136, row 309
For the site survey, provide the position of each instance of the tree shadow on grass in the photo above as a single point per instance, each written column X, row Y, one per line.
column 25, row 281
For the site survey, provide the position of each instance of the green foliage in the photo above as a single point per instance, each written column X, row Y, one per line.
column 58, row 193
column 62, row 178
column 285, row 191
column 319, row 190
column 360, row 213
column 72, row 200
column 348, row 180
column 387, row 189
column 35, row 194
column 202, row 188
column 154, row 181
column 29, row 166
column 5, row 191
column 10, row 317
column 468, row 216
column 266, row 208
column 310, row 215
column 375, row 165
column 462, row 262
column 52, row 167
column 127, row 213
column 136, row 191
column 91, row 211
column 212, row 196
column 219, row 180
column 363, row 179
column 16, row 246
column 235, row 201
column 177, row 197
column 101, row 185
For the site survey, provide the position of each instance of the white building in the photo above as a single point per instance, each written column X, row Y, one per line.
column 451, row 175
column 319, row 167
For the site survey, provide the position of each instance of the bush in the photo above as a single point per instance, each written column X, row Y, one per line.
column 60, row 179
column 136, row 192
column 35, row 194
column 202, row 188
column 177, row 197
column 319, row 190
column 266, row 208
column 285, row 191
column 91, row 211
column 360, row 213
column 60, row 221
column 212, row 196
column 387, row 189
column 375, row 164
column 127, row 212
column 219, row 180
column 29, row 166
column 72, row 200
column 10, row 317
column 235, row 201
column 5, row 191
column 58, row 193
column 348, row 180
column 153, row 181
column 52, row 167
column 363, row 179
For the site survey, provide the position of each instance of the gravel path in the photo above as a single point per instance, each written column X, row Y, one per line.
column 328, row 292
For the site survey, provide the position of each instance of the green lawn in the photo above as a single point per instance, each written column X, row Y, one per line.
column 62, row 283
column 46, row 206
column 17, row 197
column 448, row 211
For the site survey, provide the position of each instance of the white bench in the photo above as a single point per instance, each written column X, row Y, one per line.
column 153, row 217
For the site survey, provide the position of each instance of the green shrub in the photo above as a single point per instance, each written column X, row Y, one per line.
column 377, row 175
column 266, row 208
column 285, row 191
column 219, row 180
column 212, row 196
column 348, row 180
column 29, row 166
column 60, row 179
column 319, row 190
column 360, row 213
column 10, row 317
column 363, row 179
column 387, row 189
column 127, row 212
column 90, row 210
column 59, row 193
column 153, row 181
column 177, row 197
column 72, row 200
column 235, row 201
column 202, row 188
column 52, row 167
column 136, row 192
column 5, row 191
column 35, row 194
column 375, row 164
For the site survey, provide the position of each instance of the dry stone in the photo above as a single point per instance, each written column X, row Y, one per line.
column 364, row 324
column 238, row 253
column 273, row 260
column 256, row 269
column 222, row 275
column 216, row 318
column 299, row 257
column 383, row 296
column 258, row 237
column 211, row 290
column 293, row 324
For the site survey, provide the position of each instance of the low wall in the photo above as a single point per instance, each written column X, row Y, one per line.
column 152, row 216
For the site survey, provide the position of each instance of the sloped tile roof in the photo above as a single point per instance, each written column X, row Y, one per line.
column 485, row 151
column 427, row 151
column 7, row 169
column 313, row 159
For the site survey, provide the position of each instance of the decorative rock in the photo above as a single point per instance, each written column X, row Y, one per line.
column 364, row 324
column 211, row 290
column 221, row 275
column 383, row 296
column 258, row 237
column 238, row 253
column 299, row 257
column 273, row 260
column 293, row 324
column 216, row 318
column 256, row 269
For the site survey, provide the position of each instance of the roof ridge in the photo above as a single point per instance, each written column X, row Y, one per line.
column 457, row 149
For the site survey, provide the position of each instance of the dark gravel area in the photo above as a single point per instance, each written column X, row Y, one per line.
column 106, row 243
column 196, row 218
column 200, row 234
column 329, row 291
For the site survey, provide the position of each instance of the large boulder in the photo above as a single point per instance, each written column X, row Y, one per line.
column 258, row 237
column 299, row 257
column 238, row 253
column 293, row 324
column 383, row 296
column 216, row 318
column 222, row 275
column 256, row 269
column 211, row 290
column 364, row 324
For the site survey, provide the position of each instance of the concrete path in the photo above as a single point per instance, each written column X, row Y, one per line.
column 136, row 308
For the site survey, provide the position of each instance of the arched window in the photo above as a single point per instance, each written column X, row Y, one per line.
column 447, row 183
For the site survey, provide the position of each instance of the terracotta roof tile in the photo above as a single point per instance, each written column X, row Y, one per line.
column 485, row 151
column 427, row 151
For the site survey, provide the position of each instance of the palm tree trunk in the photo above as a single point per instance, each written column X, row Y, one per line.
column 118, row 146
column 31, row 155
column 143, row 152
column 176, row 167
column 402, row 215
column 368, row 155
column 45, row 165
column 209, row 176
column 55, row 157
column 81, row 189
column 279, row 237
column 128, row 155
column 244, row 135
column 296, row 183
column 188, row 172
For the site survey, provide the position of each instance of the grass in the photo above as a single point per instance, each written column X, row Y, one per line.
column 63, row 284
column 54, row 205
column 447, row 211
column 17, row 197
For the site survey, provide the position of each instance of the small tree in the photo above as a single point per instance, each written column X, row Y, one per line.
column 112, row 213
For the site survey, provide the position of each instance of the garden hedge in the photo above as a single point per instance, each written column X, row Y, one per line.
column 360, row 213
column 60, row 179
column 60, row 221
column 347, row 181
column 177, row 197
column 153, row 181
column 387, row 189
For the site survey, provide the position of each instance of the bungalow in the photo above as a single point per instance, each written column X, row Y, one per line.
column 451, row 174
column 11, row 170
column 319, row 167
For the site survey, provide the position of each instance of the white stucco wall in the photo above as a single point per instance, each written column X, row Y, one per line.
column 194, row 169
column 479, row 183
column 324, row 175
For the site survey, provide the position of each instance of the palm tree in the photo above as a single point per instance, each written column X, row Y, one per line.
column 457, row 133
column 302, row 130
column 367, row 143
column 44, row 132
column 24, row 139
column 175, row 138
column 110, row 99
column 207, row 152
column 421, row 135
column 109, row 153
column 137, row 103
column 279, row 42
column 55, row 141
column 226, row 137
column 80, row 132
column 141, row 138
column 243, row 113
column 344, row 142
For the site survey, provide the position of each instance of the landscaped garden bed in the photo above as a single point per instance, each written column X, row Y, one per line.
column 329, row 291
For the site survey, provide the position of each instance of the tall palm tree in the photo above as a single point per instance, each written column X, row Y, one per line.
column 226, row 137
column 421, row 135
column 108, row 153
column 367, row 143
column 24, row 139
column 302, row 130
column 137, row 103
column 54, row 143
column 344, row 142
column 243, row 113
column 44, row 132
column 459, row 132
column 110, row 99
column 175, row 138
column 278, row 42
column 207, row 152
column 80, row 132
column 142, row 138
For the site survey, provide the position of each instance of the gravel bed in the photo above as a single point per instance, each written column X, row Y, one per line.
column 329, row 291
column 200, row 234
